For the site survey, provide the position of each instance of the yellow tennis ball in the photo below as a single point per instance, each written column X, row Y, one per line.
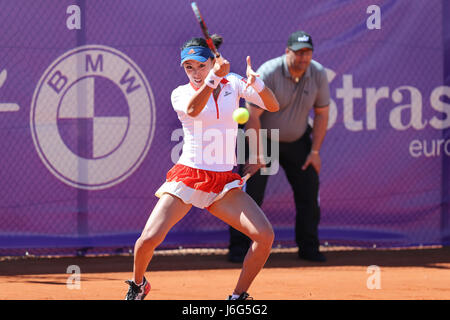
column 241, row 115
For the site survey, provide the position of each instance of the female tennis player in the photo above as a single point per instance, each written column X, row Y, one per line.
column 202, row 180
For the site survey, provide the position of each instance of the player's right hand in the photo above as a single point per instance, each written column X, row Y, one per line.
column 221, row 67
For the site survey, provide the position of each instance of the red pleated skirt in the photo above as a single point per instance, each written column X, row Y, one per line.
column 199, row 187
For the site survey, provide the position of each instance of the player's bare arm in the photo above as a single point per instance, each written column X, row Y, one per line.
column 266, row 95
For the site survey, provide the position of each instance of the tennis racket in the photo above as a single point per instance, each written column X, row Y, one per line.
column 204, row 29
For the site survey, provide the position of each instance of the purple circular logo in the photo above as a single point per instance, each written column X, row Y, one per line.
column 92, row 117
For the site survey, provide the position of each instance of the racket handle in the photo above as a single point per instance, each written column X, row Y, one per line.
column 211, row 45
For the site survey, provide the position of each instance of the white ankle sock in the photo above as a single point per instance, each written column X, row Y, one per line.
column 139, row 284
column 234, row 296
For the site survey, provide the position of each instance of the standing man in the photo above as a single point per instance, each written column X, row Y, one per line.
column 299, row 84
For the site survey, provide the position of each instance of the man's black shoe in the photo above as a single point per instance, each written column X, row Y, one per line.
column 236, row 257
column 315, row 256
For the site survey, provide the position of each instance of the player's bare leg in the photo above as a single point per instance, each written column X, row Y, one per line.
column 167, row 212
column 241, row 212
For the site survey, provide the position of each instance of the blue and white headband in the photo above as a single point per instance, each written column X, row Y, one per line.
column 198, row 53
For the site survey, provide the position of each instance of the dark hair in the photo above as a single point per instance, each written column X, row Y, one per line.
column 217, row 40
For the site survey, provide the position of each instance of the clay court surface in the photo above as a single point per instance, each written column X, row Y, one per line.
column 206, row 275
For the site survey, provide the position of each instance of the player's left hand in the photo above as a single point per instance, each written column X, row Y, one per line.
column 251, row 75
column 314, row 160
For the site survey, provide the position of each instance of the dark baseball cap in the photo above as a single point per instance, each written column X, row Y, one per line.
column 299, row 40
